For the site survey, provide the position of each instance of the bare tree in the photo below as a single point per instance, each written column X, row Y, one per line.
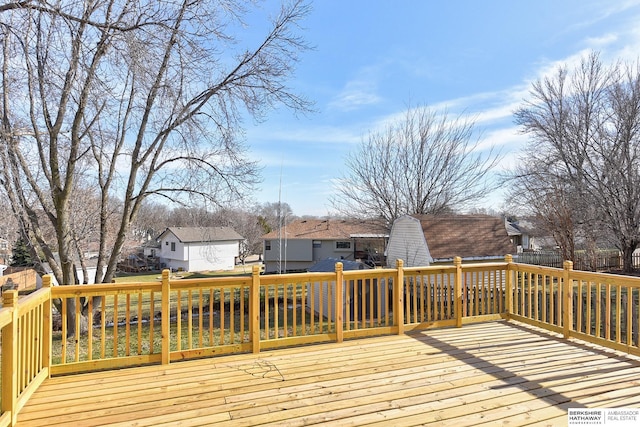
column 246, row 223
column 184, row 216
column 152, row 220
column 581, row 168
column 551, row 200
column 273, row 215
column 426, row 163
column 145, row 95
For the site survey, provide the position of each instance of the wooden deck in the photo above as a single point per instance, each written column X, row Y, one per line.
column 492, row 373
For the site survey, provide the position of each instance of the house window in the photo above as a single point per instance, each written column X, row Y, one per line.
column 173, row 246
column 343, row 245
column 317, row 244
column 267, row 245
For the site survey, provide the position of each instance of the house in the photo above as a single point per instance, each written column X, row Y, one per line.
column 199, row 248
column 302, row 243
column 5, row 251
column 91, row 265
column 408, row 243
column 420, row 240
column 521, row 234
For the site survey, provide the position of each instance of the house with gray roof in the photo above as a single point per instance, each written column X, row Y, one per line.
column 199, row 248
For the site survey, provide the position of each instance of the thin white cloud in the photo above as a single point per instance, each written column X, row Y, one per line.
column 359, row 92
column 326, row 134
column 356, row 94
column 507, row 136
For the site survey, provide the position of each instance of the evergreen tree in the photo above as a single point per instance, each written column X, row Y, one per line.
column 21, row 256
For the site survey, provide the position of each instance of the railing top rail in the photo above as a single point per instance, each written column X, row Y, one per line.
column 486, row 266
column 536, row 269
column 606, row 278
column 211, row 282
column 435, row 269
column 104, row 289
column 376, row 272
column 34, row 299
column 277, row 279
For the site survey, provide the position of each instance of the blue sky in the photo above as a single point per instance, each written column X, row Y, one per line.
column 373, row 58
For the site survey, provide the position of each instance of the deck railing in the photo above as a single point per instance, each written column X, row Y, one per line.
column 116, row 325
column 26, row 341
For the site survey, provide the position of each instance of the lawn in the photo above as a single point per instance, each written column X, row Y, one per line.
column 155, row 276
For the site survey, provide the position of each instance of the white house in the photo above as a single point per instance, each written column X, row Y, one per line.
column 199, row 248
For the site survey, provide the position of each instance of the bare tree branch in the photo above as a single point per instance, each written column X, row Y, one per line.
column 427, row 163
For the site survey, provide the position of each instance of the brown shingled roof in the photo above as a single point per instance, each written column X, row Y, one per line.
column 328, row 229
column 466, row 236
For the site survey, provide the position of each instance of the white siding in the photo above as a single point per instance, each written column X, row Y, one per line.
column 180, row 254
column 212, row 255
column 407, row 242
column 200, row 256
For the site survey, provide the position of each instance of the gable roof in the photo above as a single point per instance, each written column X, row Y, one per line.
column 202, row 234
column 330, row 229
column 466, row 236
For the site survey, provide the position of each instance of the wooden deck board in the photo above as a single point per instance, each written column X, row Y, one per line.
column 491, row 373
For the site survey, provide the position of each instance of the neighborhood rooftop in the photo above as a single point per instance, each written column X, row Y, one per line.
column 330, row 229
column 466, row 236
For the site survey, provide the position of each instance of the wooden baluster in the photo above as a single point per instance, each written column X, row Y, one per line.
column 339, row 305
column 398, row 296
column 166, row 318
column 457, row 262
column 254, row 309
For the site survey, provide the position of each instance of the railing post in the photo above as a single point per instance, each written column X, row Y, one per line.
column 254, row 309
column 10, row 335
column 567, row 292
column 339, row 305
column 398, row 297
column 509, row 285
column 46, row 331
column 166, row 318
column 457, row 261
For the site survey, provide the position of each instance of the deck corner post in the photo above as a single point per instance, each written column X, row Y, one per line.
column 254, row 309
column 457, row 262
column 509, row 285
column 567, row 293
column 339, row 305
column 46, row 327
column 166, row 317
column 10, row 345
column 398, row 297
